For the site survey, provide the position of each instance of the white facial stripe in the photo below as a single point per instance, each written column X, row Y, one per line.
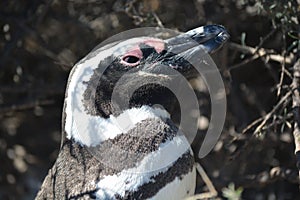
column 131, row 179
column 91, row 130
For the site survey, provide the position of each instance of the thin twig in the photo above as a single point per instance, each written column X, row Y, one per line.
column 280, row 121
column 260, row 53
column 270, row 114
column 250, row 126
column 265, row 38
column 257, row 52
column 159, row 23
column 212, row 191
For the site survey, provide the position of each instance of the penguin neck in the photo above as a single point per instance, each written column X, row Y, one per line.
column 93, row 130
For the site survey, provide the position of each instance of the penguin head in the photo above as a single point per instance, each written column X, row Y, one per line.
column 136, row 72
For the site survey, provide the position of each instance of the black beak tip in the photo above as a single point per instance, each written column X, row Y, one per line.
column 208, row 33
column 218, row 31
column 217, row 36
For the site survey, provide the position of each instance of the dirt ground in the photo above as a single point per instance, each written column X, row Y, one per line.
column 40, row 41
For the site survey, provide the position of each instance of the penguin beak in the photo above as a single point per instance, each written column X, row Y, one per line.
column 194, row 44
column 209, row 37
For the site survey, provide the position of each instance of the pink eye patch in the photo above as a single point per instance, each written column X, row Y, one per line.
column 134, row 56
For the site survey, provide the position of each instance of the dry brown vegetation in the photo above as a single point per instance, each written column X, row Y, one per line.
column 41, row 40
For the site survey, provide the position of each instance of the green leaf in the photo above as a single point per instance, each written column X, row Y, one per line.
column 231, row 193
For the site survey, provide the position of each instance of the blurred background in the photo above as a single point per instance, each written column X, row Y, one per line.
column 41, row 40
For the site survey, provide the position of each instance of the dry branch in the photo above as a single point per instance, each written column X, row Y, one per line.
column 261, row 52
column 212, row 193
column 270, row 114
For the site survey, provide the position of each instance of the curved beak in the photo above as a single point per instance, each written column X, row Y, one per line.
column 195, row 44
column 187, row 48
column 209, row 37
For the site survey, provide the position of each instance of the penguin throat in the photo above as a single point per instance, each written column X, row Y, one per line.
column 150, row 95
column 89, row 130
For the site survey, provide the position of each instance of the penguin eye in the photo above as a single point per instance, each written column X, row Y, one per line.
column 131, row 59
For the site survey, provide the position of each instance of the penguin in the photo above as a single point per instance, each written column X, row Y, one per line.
column 119, row 139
